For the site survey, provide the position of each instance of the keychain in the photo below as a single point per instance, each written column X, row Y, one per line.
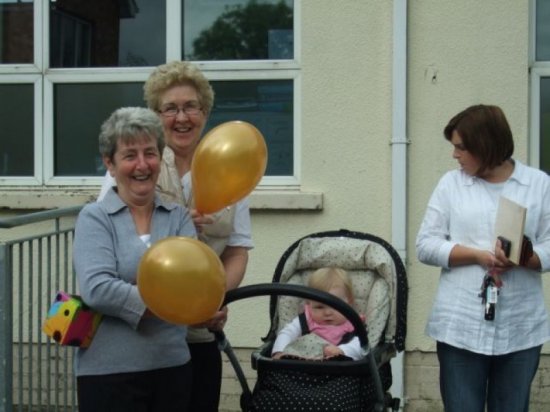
column 489, row 295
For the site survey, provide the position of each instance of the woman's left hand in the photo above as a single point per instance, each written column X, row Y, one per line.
column 199, row 220
column 217, row 322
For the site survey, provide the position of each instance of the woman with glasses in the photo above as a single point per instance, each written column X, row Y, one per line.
column 136, row 361
column 183, row 98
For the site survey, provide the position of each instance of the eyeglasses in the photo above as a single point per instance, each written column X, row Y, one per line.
column 190, row 109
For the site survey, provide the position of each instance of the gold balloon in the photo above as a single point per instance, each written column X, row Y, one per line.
column 181, row 280
column 227, row 165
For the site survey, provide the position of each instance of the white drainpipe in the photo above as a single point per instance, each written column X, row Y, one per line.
column 399, row 144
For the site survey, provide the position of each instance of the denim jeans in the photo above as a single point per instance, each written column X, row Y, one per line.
column 468, row 379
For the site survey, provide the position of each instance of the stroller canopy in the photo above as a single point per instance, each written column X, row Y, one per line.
column 376, row 270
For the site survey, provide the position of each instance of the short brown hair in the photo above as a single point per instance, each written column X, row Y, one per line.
column 485, row 133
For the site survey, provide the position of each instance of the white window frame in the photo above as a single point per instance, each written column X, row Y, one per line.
column 45, row 78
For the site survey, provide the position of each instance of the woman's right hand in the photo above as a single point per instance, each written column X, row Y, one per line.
column 486, row 259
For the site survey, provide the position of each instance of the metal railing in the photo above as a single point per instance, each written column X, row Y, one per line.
column 35, row 262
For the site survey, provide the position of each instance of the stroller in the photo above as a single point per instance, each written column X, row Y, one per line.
column 380, row 287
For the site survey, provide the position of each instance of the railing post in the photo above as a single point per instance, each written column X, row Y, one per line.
column 6, row 330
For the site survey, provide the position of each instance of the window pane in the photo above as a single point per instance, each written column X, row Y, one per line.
column 16, row 32
column 80, row 109
column 107, row 33
column 543, row 30
column 545, row 124
column 17, row 137
column 237, row 29
column 268, row 105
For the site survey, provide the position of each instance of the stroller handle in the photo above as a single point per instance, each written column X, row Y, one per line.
column 270, row 289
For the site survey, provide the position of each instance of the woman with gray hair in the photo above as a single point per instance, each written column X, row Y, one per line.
column 136, row 361
column 183, row 98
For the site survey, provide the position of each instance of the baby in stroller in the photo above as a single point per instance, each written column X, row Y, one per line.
column 320, row 331
column 311, row 380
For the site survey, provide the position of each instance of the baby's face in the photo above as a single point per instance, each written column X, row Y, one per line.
column 324, row 314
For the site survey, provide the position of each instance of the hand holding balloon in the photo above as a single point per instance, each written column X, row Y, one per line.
column 227, row 165
column 217, row 322
column 199, row 220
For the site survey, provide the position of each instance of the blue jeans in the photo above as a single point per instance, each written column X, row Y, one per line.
column 468, row 379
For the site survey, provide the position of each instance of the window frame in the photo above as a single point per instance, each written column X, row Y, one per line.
column 538, row 69
column 538, row 72
column 37, row 177
column 45, row 79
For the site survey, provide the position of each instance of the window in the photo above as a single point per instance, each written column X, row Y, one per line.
column 540, row 86
column 17, row 114
column 54, row 96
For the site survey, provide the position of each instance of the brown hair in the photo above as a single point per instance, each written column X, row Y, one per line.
column 485, row 133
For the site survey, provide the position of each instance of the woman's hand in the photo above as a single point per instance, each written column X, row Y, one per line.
column 502, row 263
column 486, row 259
column 216, row 323
column 199, row 220
column 148, row 314
column 528, row 259
column 493, row 261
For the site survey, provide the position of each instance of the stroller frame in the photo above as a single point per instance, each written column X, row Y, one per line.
column 373, row 358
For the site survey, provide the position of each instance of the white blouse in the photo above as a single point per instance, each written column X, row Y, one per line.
column 462, row 210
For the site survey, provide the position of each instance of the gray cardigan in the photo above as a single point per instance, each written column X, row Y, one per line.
column 106, row 254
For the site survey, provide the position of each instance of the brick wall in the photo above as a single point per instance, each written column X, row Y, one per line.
column 421, row 383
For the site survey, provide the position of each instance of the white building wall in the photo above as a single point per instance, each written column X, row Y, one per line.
column 460, row 53
column 345, row 134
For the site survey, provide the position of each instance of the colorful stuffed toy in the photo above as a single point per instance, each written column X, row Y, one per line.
column 70, row 321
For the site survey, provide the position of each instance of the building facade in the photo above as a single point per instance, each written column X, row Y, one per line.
column 351, row 96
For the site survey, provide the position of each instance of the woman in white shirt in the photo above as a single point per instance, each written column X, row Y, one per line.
column 483, row 360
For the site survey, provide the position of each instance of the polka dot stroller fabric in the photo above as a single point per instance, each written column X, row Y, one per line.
column 283, row 390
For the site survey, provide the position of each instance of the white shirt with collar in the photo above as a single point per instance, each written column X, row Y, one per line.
column 462, row 210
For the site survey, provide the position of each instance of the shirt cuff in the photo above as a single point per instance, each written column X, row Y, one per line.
column 543, row 257
column 444, row 254
column 133, row 308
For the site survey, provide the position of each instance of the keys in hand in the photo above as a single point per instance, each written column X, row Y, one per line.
column 489, row 296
